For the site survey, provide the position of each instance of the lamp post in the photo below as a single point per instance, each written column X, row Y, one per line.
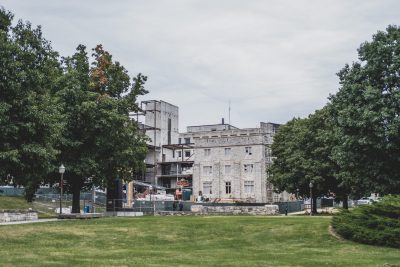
column 61, row 170
column 311, row 199
column 150, row 192
column 297, row 190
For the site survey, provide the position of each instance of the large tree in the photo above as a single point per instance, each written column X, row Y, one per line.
column 100, row 141
column 30, row 120
column 366, row 116
column 302, row 150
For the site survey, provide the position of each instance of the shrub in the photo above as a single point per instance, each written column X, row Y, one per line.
column 376, row 224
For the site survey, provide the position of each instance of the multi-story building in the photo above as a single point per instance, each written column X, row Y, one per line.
column 169, row 164
column 220, row 162
column 231, row 163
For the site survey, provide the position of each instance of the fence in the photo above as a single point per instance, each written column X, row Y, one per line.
column 17, row 191
column 149, row 207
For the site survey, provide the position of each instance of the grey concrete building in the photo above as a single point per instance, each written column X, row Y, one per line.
column 220, row 161
column 230, row 163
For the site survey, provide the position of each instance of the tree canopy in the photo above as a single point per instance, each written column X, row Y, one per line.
column 30, row 119
column 352, row 145
column 73, row 110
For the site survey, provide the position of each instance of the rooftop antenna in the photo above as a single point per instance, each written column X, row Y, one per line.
column 229, row 114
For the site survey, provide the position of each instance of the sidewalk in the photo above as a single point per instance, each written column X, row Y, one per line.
column 306, row 212
column 25, row 222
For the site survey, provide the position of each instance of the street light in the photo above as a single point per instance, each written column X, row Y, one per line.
column 154, row 206
column 311, row 199
column 61, row 170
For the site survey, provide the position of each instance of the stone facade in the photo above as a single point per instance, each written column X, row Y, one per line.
column 236, row 210
column 220, row 162
column 15, row 216
column 231, row 164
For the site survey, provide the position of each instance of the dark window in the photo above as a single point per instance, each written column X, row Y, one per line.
column 187, row 140
column 228, row 187
column 169, row 131
column 187, row 153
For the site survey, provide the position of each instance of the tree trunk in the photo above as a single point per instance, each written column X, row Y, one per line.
column 345, row 202
column 76, row 198
column 314, row 206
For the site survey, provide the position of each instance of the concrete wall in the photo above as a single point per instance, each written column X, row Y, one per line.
column 210, row 128
column 210, row 150
column 236, row 210
column 157, row 115
column 15, row 216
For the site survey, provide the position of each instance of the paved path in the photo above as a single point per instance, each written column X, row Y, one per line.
column 24, row 222
column 324, row 210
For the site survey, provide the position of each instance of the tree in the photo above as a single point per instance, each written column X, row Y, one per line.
column 302, row 150
column 365, row 112
column 100, row 141
column 30, row 120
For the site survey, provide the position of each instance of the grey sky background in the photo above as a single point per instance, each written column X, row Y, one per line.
column 274, row 60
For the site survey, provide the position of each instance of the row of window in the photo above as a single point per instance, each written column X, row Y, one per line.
column 187, row 153
column 207, row 152
column 227, row 150
column 247, row 168
column 248, row 187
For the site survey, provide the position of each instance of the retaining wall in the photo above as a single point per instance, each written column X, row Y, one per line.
column 15, row 216
column 236, row 210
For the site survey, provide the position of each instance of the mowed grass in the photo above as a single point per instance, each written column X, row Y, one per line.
column 14, row 203
column 186, row 241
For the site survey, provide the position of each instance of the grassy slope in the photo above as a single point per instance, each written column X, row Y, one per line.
column 183, row 241
column 11, row 203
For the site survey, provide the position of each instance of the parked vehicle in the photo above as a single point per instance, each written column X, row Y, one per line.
column 365, row 201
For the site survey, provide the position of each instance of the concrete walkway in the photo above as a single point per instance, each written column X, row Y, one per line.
column 24, row 222
column 324, row 210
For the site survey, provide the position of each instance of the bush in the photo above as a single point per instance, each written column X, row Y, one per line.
column 376, row 224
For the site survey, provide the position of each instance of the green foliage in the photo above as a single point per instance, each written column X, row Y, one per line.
column 302, row 149
column 68, row 111
column 376, row 224
column 100, row 140
column 29, row 115
column 352, row 145
column 365, row 113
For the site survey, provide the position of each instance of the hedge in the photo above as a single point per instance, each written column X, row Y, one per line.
column 376, row 224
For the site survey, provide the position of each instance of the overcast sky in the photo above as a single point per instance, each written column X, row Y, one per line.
column 273, row 60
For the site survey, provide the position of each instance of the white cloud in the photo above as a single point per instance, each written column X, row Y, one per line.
column 273, row 59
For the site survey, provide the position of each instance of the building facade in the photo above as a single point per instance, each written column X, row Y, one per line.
column 219, row 162
column 230, row 164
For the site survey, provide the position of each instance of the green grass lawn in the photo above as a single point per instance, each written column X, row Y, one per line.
column 186, row 241
column 14, row 203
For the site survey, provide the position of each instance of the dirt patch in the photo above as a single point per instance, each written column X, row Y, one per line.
column 334, row 234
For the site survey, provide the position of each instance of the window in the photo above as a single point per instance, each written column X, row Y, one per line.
column 267, row 152
column 187, row 140
column 207, row 170
column 207, row 152
column 228, row 187
column 227, row 169
column 248, row 150
column 180, row 140
column 249, row 187
column 207, row 188
column 179, row 154
column 169, row 131
column 248, row 168
column 187, row 153
column 227, row 151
